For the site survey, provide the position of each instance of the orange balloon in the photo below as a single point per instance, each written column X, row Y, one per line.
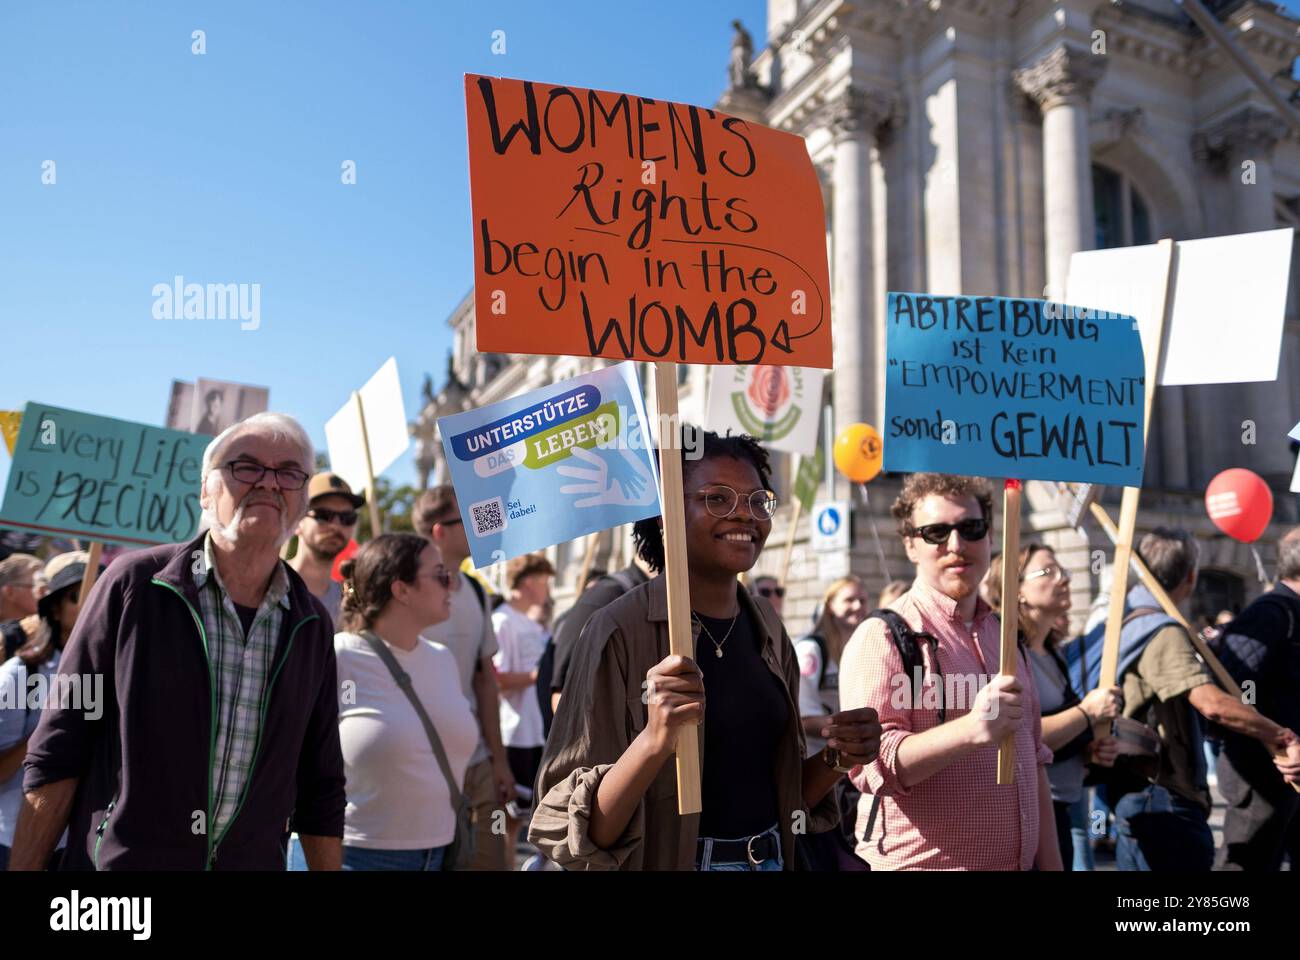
column 858, row 452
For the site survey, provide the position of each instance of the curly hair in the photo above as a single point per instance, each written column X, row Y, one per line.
column 918, row 486
column 647, row 535
column 369, row 575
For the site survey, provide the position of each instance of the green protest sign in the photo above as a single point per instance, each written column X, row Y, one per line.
column 97, row 478
column 809, row 475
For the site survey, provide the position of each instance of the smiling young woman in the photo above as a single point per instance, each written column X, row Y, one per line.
column 608, row 793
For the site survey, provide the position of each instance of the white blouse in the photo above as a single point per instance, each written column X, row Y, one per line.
column 397, row 797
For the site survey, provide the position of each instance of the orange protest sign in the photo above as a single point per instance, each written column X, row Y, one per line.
column 612, row 225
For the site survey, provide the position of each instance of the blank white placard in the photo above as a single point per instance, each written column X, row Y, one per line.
column 1229, row 302
column 385, row 425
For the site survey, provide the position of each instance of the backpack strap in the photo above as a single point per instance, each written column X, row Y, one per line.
column 1139, row 612
column 480, row 593
column 908, row 643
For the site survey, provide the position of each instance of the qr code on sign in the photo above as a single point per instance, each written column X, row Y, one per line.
column 489, row 516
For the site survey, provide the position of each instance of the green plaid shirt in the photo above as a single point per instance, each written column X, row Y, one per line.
column 240, row 666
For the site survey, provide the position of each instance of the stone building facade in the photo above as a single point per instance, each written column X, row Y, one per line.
column 972, row 146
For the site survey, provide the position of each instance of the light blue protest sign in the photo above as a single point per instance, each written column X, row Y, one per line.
column 96, row 478
column 1295, row 432
column 1003, row 387
column 552, row 464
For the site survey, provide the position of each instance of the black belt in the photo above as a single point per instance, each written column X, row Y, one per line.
column 755, row 849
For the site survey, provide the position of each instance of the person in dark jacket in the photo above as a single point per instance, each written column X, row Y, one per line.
column 220, row 714
column 1262, row 647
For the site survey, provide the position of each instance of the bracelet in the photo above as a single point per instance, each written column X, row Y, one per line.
column 1087, row 720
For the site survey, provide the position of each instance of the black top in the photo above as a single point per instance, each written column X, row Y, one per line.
column 246, row 615
column 745, row 714
column 1262, row 645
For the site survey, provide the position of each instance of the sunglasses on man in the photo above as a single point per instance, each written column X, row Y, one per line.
column 777, row 592
column 343, row 517
column 970, row 530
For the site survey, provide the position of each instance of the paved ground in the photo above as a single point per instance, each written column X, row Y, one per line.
column 1104, row 857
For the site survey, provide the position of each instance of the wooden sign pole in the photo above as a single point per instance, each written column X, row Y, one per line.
column 680, row 640
column 1129, row 505
column 375, row 520
column 587, row 558
column 92, row 569
column 789, row 542
column 1162, row 597
column 1008, row 649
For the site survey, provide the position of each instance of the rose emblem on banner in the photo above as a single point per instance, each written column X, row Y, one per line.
column 766, row 408
column 769, row 390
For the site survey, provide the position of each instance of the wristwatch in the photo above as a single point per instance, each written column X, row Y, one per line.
column 831, row 757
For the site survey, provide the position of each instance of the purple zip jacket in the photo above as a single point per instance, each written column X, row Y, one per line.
column 143, row 799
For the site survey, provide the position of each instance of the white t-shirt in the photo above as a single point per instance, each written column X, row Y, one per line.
column 522, row 644
column 397, row 797
column 816, row 700
column 468, row 634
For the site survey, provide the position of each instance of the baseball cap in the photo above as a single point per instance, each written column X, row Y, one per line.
column 331, row 484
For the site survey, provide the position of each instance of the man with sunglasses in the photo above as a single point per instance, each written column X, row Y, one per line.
column 940, row 806
column 770, row 589
column 330, row 523
column 219, row 724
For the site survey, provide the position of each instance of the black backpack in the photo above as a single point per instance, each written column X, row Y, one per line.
column 908, row 642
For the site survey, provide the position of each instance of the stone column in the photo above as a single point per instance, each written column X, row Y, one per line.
column 853, row 120
column 1061, row 82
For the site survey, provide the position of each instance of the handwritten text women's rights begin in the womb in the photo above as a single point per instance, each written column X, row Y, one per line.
column 693, row 141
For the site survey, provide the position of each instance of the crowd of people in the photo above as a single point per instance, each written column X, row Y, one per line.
column 390, row 712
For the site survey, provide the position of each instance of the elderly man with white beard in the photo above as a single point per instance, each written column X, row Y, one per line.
column 220, row 721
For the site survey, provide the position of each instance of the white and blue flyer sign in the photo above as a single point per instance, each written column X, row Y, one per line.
column 552, row 465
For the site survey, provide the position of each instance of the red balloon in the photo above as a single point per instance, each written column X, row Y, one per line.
column 1240, row 504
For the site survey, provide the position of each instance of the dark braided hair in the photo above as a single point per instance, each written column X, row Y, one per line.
column 647, row 536
column 368, row 577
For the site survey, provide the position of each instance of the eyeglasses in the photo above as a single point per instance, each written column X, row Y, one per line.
column 451, row 522
column 443, row 576
column 344, row 517
column 1051, row 571
column 777, row 592
column 721, row 502
column 251, row 472
column 976, row 528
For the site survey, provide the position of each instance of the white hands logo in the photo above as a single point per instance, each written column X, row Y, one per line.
column 614, row 477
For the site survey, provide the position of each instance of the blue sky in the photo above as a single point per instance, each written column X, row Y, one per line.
column 226, row 168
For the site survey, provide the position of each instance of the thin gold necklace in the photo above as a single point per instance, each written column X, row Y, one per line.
column 717, row 647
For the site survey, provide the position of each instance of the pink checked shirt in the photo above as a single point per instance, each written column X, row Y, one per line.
column 959, row 818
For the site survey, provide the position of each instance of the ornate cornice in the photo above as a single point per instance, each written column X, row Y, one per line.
column 1065, row 73
column 1249, row 130
column 856, row 111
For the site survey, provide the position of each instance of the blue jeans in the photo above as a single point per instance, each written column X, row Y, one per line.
column 707, row 863
column 1080, row 821
column 1163, row 832
column 360, row 858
